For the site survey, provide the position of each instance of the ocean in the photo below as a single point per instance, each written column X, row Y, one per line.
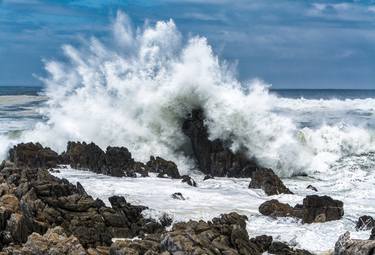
column 139, row 98
column 335, row 129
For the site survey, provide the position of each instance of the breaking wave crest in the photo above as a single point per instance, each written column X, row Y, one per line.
column 136, row 91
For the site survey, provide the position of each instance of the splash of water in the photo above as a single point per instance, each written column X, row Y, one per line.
column 137, row 91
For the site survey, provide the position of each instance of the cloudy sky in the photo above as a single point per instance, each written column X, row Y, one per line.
column 289, row 44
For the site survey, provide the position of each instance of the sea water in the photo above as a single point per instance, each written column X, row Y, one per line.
column 136, row 92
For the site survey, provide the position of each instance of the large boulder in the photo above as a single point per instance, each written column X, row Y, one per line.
column 313, row 209
column 347, row 246
column 33, row 155
column 163, row 167
column 267, row 180
column 85, row 156
column 213, row 157
column 321, row 209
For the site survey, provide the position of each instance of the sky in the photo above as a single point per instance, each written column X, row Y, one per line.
column 286, row 43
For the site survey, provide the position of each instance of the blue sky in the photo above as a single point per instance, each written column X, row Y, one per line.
column 290, row 44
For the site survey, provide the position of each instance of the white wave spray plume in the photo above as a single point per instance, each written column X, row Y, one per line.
column 136, row 92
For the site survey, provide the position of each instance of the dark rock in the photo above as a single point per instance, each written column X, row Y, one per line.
column 116, row 161
column 312, row 188
column 314, row 209
column 213, row 157
column 347, row 246
column 372, row 236
column 365, row 223
column 190, row 181
column 41, row 201
column 163, row 167
column 207, row 177
column 279, row 248
column 33, row 156
column 267, row 180
column 321, row 209
column 263, row 242
column 177, row 196
column 274, row 208
column 85, row 156
column 165, row 220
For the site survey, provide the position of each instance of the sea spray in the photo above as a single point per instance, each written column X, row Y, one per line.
column 136, row 91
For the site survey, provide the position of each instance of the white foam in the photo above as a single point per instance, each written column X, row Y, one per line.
column 136, row 91
column 353, row 185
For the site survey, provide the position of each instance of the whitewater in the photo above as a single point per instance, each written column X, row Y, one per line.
column 136, row 90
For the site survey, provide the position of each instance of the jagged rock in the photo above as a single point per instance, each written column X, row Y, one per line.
column 312, row 188
column 267, row 180
column 165, row 220
column 177, row 196
column 314, row 209
column 41, row 201
column 321, row 209
column 365, row 222
column 55, row 241
column 84, row 156
column 222, row 235
column 163, row 167
column 116, row 161
column 263, row 242
column 190, row 181
column 347, row 246
column 33, row 155
column 213, row 157
column 279, row 248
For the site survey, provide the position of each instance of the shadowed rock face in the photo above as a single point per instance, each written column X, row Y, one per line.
column 213, row 157
column 33, row 155
column 267, row 180
column 314, row 209
column 116, row 161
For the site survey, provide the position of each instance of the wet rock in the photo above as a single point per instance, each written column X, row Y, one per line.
column 116, row 161
column 267, row 180
column 165, row 220
column 312, row 188
column 85, row 156
column 347, row 246
column 274, row 208
column 279, row 248
column 321, row 209
column 207, row 177
column 177, row 196
column 190, row 181
column 163, row 167
column 214, row 157
column 33, row 155
column 314, row 209
column 365, row 222
column 263, row 242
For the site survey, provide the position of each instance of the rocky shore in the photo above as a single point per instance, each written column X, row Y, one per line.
column 42, row 214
